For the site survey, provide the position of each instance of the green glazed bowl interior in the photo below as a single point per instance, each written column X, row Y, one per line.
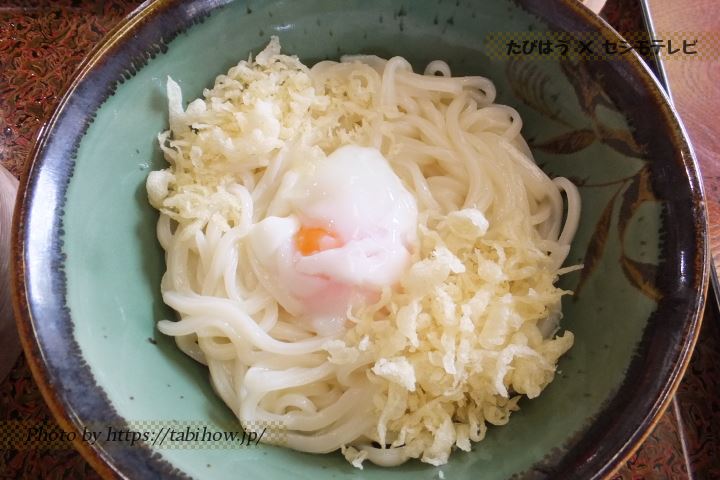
column 89, row 265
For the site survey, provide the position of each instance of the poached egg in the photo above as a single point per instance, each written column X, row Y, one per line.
column 349, row 233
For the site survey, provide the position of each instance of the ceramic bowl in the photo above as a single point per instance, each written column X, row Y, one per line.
column 9, row 343
column 88, row 266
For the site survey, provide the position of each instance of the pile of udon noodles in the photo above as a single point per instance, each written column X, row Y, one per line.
column 470, row 328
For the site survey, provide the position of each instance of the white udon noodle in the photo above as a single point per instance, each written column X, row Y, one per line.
column 454, row 148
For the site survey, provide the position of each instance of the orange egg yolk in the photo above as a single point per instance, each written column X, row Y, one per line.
column 310, row 240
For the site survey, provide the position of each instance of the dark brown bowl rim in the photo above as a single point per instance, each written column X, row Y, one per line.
column 111, row 54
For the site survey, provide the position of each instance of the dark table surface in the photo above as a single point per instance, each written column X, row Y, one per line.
column 41, row 43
